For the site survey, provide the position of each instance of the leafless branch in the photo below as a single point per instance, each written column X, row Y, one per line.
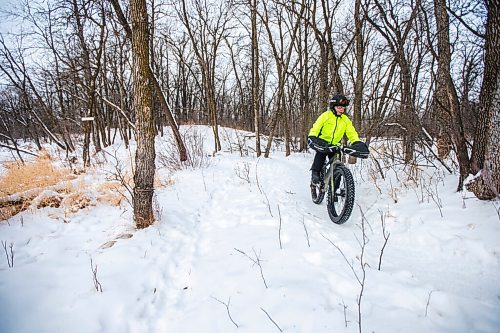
column 472, row 30
column 359, row 277
column 345, row 313
column 307, row 234
column 428, row 302
column 227, row 309
column 97, row 284
column 244, row 173
column 10, row 256
column 271, row 319
column 279, row 231
column 386, row 238
column 256, row 261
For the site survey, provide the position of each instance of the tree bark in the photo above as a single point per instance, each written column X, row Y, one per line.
column 446, row 98
column 145, row 129
column 360, row 55
column 255, row 78
column 486, row 151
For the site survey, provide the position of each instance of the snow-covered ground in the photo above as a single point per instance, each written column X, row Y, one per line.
column 240, row 247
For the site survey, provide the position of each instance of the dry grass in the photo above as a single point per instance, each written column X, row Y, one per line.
column 111, row 192
column 29, row 181
column 40, row 173
column 40, row 184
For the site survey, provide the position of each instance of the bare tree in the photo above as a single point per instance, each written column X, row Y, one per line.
column 395, row 29
column 14, row 68
column 282, row 61
column 91, row 68
column 206, row 26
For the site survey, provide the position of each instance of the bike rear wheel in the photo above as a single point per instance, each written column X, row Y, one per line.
column 318, row 191
column 341, row 194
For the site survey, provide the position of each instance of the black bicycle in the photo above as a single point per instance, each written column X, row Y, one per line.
column 336, row 182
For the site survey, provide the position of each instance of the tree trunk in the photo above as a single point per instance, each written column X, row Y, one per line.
column 486, row 150
column 360, row 54
column 145, row 130
column 446, row 98
column 488, row 87
column 255, row 78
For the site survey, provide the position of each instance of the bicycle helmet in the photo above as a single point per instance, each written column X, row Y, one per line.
column 338, row 100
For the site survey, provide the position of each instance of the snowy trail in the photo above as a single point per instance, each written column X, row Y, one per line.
column 236, row 208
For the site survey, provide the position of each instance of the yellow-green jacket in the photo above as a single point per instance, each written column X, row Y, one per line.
column 332, row 128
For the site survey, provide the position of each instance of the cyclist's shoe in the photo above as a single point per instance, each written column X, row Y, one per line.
column 315, row 178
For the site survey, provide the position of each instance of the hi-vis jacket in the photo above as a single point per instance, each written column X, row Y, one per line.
column 332, row 128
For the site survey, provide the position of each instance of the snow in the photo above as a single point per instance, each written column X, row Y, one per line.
column 239, row 246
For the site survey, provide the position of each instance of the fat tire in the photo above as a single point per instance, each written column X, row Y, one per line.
column 340, row 215
column 318, row 192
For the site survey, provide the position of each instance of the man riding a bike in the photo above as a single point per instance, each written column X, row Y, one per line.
column 328, row 131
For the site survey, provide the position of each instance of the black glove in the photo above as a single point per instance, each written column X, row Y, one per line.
column 314, row 142
column 321, row 145
column 358, row 149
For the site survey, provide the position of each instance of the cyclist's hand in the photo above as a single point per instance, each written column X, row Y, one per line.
column 313, row 141
column 357, row 149
column 321, row 145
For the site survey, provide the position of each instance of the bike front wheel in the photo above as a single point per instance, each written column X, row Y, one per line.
column 341, row 194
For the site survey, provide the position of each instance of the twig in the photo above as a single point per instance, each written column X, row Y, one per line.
column 428, row 301
column 379, row 168
column 245, row 173
column 10, row 258
column 360, row 278
column 256, row 261
column 386, row 238
column 227, row 308
column 436, row 201
column 345, row 258
column 257, row 176
column 271, row 319
column 279, row 231
column 268, row 204
column 260, row 188
column 97, row 284
column 18, row 149
column 345, row 313
column 363, row 269
column 305, row 229
column 120, row 175
column 204, row 182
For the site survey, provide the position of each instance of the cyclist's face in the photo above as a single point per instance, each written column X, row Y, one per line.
column 339, row 109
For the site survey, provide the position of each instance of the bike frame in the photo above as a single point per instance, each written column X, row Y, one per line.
column 331, row 165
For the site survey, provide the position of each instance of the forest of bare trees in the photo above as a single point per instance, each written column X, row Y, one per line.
column 421, row 71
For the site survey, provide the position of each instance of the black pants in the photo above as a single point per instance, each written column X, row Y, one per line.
column 319, row 161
